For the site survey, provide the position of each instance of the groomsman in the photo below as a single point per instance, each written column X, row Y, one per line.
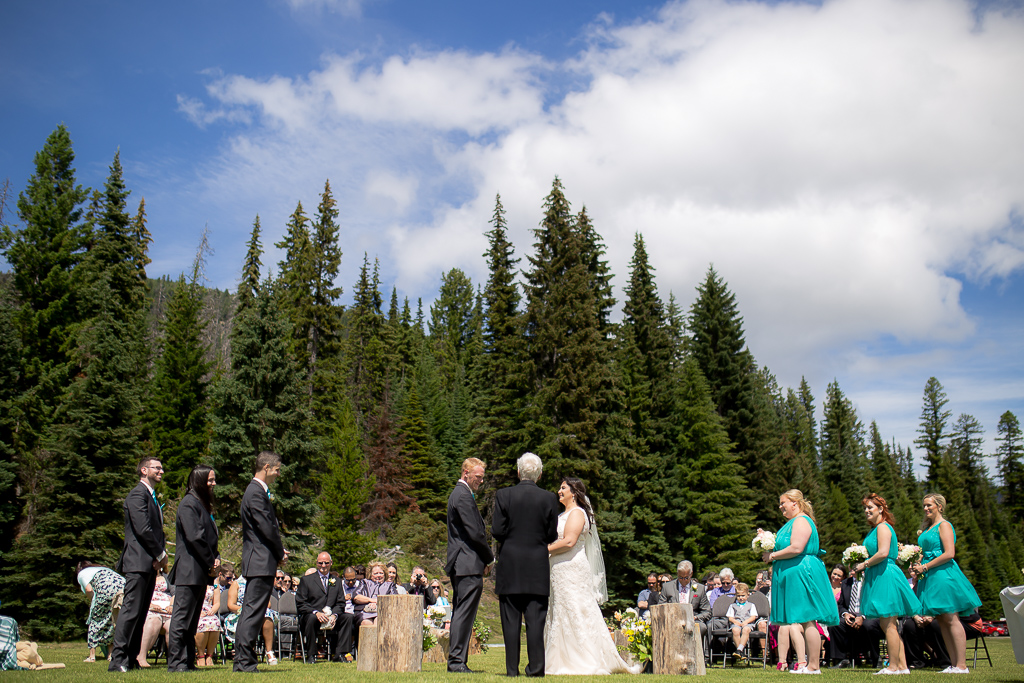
column 468, row 558
column 262, row 553
column 142, row 556
column 196, row 562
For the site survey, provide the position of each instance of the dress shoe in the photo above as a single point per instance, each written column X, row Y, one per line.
column 118, row 669
column 310, row 660
column 842, row 664
column 463, row 669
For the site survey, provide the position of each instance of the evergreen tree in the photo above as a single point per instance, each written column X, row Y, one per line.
column 10, row 367
column 367, row 352
column 842, row 447
column 889, row 483
column 261, row 406
column 389, row 470
column 297, row 273
column 715, row 515
column 600, row 274
column 932, row 426
column 177, row 410
column 838, row 527
column 451, row 321
column 249, row 286
column 424, row 466
column 346, row 487
column 1010, row 459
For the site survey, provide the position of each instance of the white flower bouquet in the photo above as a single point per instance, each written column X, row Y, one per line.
column 434, row 615
column 908, row 553
column 764, row 541
column 855, row 553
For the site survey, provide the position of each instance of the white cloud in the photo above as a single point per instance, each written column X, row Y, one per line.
column 843, row 165
column 347, row 8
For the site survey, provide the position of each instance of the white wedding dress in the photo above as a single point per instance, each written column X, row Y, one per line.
column 576, row 639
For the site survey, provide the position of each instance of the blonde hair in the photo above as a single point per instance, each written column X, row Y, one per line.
column 940, row 500
column 470, row 463
column 805, row 505
column 742, row 588
column 375, row 563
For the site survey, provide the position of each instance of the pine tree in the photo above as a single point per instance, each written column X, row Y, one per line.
column 10, row 367
column 889, row 483
column 933, row 425
column 600, row 274
column 177, row 411
column 1010, row 459
column 842, row 447
column 346, row 487
column 366, row 347
column 389, row 470
column 715, row 517
column 261, row 406
column 249, row 286
column 425, row 467
column 838, row 527
column 297, row 272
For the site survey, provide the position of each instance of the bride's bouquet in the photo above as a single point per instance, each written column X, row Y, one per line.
column 908, row 553
column 764, row 541
column 855, row 553
column 639, row 643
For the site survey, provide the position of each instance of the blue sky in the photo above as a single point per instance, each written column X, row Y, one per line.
column 853, row 168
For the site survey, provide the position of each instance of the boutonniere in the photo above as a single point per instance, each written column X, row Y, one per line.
column 693, row 586
column 270, row 496
column 331, row 582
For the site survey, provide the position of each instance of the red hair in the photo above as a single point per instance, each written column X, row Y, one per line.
column 880, row 503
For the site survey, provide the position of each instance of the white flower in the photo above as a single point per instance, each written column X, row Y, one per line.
column 763, row 542
column 855, row 553
column 908, row 553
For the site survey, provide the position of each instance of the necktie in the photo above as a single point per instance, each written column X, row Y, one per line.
column 855, row 597
column 323, row 580
column 160, row 509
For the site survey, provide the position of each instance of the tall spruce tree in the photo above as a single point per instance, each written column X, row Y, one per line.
column 932, row 427
column 425, row 466
column 842, row 447
column 297, row 272
column 1010, row 461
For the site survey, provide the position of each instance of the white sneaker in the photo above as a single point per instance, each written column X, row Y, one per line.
column 271, row 659
column 799, row 670
column 904, row 672
column 813, row 672
column 964, row 670
column 947, row 670
column 886, row 671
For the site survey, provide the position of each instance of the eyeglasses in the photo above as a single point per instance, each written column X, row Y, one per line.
column 328, row 562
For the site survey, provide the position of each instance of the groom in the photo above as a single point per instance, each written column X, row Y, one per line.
column 525, row 521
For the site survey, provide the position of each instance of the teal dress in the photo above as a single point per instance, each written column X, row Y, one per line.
column 943, row 589
column 801, row 591
column 886, row 591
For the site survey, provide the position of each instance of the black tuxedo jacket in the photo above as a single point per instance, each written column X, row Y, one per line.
column 262, row 549
column 143, row 532
column 195, row 544
column 468, row 552
column 525, row 521
column 844, row 596
column 311, row 596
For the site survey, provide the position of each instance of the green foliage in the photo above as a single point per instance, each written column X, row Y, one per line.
column 932, row 426
column 418, row 533
column 1010, row 459
column 427, row 471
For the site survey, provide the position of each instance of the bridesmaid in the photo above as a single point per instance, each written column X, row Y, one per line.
column 801, row 593
column 886, row 595
column 945, row 591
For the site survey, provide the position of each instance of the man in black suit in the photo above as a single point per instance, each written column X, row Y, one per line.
column 469, row 558
column 319, row 598
column 854, row 635
column 262, row 553
column 525, row 521
column 684, row 588
column 143, row 555
column 196, row 562
column 418, row 585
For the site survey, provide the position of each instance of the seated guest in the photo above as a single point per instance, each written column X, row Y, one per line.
column 643, row 600
column 371, row 589
column 320, row 601
column 157, row 620
column 209, row 628
column 711, row 581
column 418, row 586
column 725, row 586
column 360, row 572
column 350, row 612
column 236, row 597
column 394, row 578
column 854, row 635
column 743, row 618
column 442, row 600
column 684, row 588
column 836, row 577
column 763, row 584
column 8, row 644
column 279, row 584
column 101, row 585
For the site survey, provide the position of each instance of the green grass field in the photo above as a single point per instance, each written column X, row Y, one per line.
column 492, row 664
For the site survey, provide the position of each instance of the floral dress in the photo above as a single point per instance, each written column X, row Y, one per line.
column 106, row 584
column 208, row 621
column 231, row 622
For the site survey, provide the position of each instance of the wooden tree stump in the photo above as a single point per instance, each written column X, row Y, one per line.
column 622, row 645
column 676, row 640
column 439, row 653
column 367, row 660
column 400, row 633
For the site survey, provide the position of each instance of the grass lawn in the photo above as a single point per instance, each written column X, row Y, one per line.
column 492, row 663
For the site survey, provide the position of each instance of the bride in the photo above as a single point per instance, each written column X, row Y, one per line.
column 576, row 640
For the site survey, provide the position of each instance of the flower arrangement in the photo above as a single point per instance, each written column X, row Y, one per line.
column 764, row 541
column 855, row 553
column 483, row 633
column 908, row 553
column 429, row 639
column 435, row 615
column 638, row 634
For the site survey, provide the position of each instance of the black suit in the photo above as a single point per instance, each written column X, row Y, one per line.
column 195, row 553
column 847, row 641
column 313, row 597
column 468, row 556
column 525, row 522
column 143, row 544
column 262, row 551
